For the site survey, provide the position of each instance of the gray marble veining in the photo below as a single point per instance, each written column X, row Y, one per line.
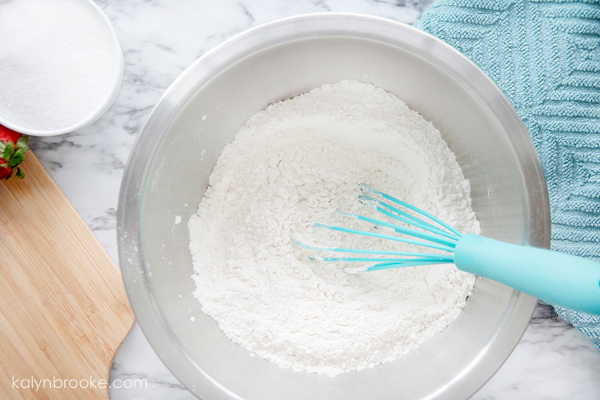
column 160, row 39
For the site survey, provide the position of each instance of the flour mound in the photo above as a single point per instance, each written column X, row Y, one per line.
column 299, row 161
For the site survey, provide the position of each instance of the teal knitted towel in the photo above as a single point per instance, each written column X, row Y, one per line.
column 545, row 56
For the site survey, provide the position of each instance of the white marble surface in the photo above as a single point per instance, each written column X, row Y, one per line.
column 160, row 39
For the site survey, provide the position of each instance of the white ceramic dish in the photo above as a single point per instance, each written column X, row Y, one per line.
column 107, row 101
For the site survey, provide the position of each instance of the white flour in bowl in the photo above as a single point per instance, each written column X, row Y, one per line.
column 299, row 161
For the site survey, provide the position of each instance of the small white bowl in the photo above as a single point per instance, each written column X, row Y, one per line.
column 107, row 101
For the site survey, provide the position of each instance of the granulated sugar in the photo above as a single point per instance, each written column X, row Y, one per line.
column 299, row 161
column 56, row 63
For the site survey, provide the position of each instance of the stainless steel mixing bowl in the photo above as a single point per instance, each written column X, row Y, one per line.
column 200, row 113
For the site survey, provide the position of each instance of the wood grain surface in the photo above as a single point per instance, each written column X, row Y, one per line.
column 63, row 308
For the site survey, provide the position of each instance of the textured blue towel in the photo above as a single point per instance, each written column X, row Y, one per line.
column 545, row 56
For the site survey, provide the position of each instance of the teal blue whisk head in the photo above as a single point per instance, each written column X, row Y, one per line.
column 406, row 223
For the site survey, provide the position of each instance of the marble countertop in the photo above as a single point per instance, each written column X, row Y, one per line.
column 160, row 39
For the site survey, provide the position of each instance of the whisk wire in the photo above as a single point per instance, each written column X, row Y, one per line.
column 366, row 251
column 397, row 215
column 449, row 249
column 400, row 229
column 421, row 261
column 411, row 207
column 394, row 265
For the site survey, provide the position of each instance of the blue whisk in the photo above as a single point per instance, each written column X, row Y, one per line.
column 553, row 277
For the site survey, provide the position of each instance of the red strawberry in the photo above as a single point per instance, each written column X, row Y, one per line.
column 13, row 147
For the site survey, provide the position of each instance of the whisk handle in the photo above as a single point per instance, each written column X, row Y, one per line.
column 553, row 277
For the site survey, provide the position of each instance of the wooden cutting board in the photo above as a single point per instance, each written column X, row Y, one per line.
column 63, row 308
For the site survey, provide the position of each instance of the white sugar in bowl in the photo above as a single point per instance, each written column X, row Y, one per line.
column 61, row 65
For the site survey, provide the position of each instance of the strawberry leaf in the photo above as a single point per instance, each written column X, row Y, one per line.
column 17, row 158
column 2, row 146
column 20, row 173
column 22, row 142
column 9, row 150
